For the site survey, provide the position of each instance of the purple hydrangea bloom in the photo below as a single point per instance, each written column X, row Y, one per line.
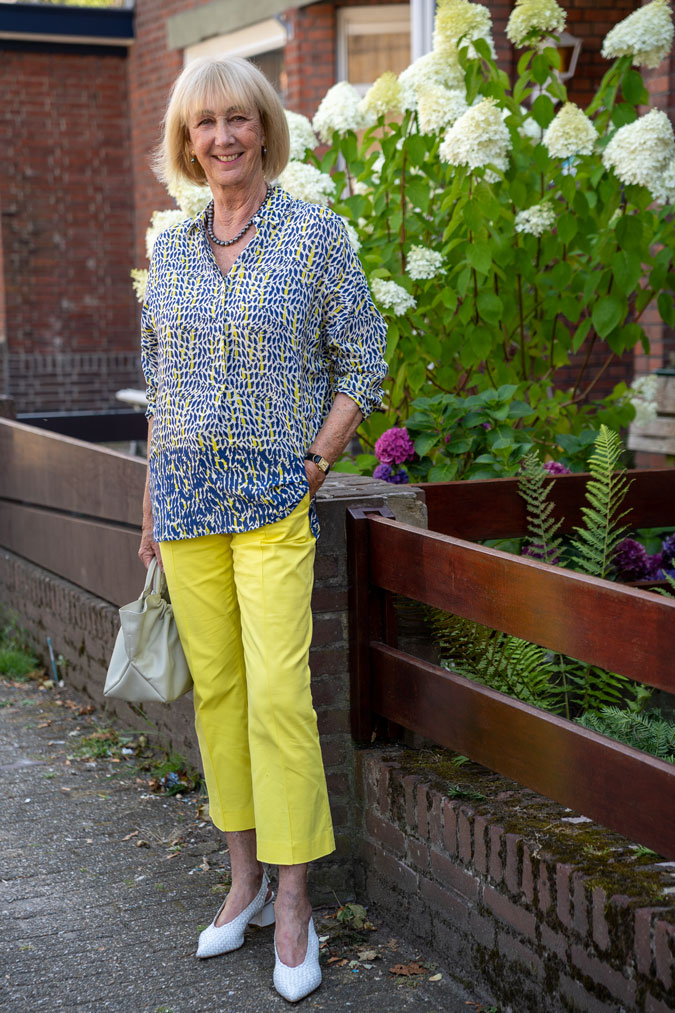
column 655, row 566
column 668, row 551
column 394, row 446
column 631, row 560
column 556, row 468
column 400, row 477
column 383, row 471
column 536, row 551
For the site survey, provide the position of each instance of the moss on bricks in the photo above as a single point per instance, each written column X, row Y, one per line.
column 604, row 857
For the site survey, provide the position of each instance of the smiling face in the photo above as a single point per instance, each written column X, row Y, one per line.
column 227, row 142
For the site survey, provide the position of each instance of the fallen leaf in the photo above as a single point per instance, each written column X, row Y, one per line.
column 205, row 865
column 408, row 969
column 436, row 977
column 368, row 955
column 134, row 833
column 332, row 960
column 45, row 724
column 88, row 709
column 142, row 844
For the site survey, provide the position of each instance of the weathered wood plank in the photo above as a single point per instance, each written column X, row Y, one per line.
column 101, row 558
column 46, row 469
column 619, row 628
column 493, row 508
column 614, row 784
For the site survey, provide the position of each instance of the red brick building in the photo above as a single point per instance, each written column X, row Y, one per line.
column 83, row 93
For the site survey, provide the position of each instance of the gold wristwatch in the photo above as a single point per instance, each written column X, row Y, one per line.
column 321, row 462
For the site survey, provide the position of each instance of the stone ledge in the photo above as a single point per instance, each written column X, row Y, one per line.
column 500, row 882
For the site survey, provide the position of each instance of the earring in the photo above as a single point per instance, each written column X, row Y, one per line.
column 193, row 159
column 264, row 150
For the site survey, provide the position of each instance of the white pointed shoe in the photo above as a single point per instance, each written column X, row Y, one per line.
column 294, row 983
column 218, row 939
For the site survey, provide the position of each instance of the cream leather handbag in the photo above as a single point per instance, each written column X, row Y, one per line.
column 147, row 662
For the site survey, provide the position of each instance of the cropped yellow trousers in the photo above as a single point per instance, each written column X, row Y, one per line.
column 242, row 604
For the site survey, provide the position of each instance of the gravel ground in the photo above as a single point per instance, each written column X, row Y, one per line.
column 106, row 883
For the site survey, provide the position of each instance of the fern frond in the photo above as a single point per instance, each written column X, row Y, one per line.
column 508, row 664
column 650, row 731
column 535, row 487
column 606, row 490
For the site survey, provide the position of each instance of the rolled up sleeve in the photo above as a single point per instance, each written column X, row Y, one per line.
column 354, row 331
column 149, row 350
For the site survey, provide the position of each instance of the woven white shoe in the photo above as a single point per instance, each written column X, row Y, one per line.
column 218, row 939
column 294, row 983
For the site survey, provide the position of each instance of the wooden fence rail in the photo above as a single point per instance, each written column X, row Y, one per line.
column 73, row 508
column 623, row 629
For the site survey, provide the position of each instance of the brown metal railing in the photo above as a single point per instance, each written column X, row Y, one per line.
column 623, row 629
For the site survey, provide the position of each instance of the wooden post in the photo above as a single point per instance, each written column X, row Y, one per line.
column 367, row 620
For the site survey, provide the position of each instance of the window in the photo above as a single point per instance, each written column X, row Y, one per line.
column 263, row 44
column 372, row 40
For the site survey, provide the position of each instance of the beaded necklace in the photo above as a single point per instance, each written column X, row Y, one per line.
column 228, row 242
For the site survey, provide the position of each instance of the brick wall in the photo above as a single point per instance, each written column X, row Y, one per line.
column 543, row 911
column 66, row 214
column 83, row 629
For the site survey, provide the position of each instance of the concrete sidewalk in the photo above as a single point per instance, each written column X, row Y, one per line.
column 106, row 884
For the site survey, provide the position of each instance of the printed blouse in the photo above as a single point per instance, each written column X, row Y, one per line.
column 242, row 369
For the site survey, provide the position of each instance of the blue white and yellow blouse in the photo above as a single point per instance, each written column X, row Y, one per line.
column 242, row 369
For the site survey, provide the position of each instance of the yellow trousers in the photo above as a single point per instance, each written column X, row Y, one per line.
column 242, row 606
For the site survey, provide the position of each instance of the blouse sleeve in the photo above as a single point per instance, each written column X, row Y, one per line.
column 149, row 357
column 354, row 331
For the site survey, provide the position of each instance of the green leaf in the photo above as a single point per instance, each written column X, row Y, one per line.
column 541, row 70
column 633, row 88
column 567, row 227
column 490, row 307
column 607, row 314
column 666, row 308
column 425, row 442
column 459, row 444
column 629, row 233
column 623, row 114
column 481, row 341
column 543, row 110
column 479, row 257
column 581, row 334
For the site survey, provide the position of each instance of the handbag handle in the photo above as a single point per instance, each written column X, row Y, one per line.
column 155, row 581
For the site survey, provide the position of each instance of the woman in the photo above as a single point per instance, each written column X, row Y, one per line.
column 262, row 353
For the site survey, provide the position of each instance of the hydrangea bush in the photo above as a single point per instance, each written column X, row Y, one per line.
column 503, row 228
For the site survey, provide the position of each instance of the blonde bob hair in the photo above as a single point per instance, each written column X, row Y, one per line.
column 211, row 84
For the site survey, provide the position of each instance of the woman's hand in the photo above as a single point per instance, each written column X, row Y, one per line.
column 149, row 548
column 315, row 478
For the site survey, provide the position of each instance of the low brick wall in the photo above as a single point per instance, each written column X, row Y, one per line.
column 544, row 910
column 83, row 629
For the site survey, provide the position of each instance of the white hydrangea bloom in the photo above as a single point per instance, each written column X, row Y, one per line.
column 303, row 138
column 382, row 97
column 665, row 192
column 460, row 19
column 642, row 153
column 537, row 220
column 340, row 112
column 352, row 234
column 643, row 394
column 439, row 107
column 189, row 197
column 308, row 183
column 646, row 35
column 160, row 221
column 392, row 296
column 570, row 133
column 423, row 263
column 432, row 69
column 139, row 280
column 479, row 137
column 360, row 188
column 541, row 17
